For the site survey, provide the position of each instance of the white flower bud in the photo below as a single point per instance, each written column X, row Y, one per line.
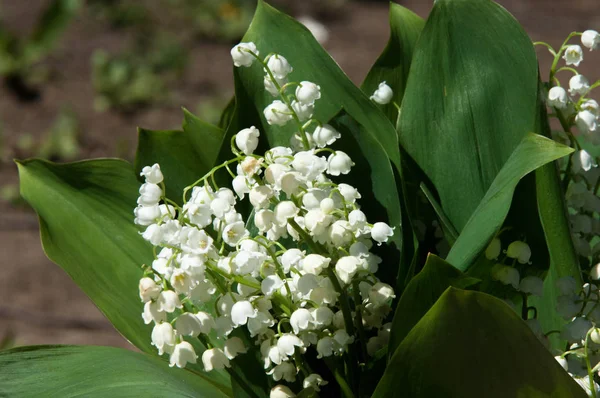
column 214, row 359
column 168, row 301
column 383, row 95
column 532, row 285
column 493, row 250
column 152, row 174
column 301, row 320
column 519, row 250
column 149, row 290
column 381, row 232
column 284, row 211
column 349, row 193
column 325, row 135
column 234, row 346
column 241, row 311
column 277, row 113
column 279, row 66
column 595, row 335
column 573, row 55
column 314, row 381
column 578, row 84
column 247, row 140
column 586, row 122
column 241, row 54
column 281, row 391
column 339, row 163
column 308, row 92
column 163, row 337
column 303, row 111
column 149, row 194
column 590, row 39
column 146, row 215
column 557, row 97
column 183, row 354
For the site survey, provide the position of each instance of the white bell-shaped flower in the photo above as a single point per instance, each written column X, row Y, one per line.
column 241, row 311
column 168, row 301
column 343, row 339
column 260, row 196
column 314, row 264
column 576, row 330
column 271, row 87
column 381, row 293
column 240, row 186
column 188, row 324
column 214, row 358
column 493, row 250
column 557, row 97
column 232, row 233
column 152, row 174
column 325, row 135
column 309, row 165
column 146, row 215
column 234, row 346
column 586, row 122
column 595, row 272
column 181, row 281
column 279, row 66
column 284, row 211
column 314, row 381
column 291, row 258
column 241, row 54
column 519, row 250
column 277, row 113
column 264, row 219
column 287, row 344
column 183, row 353
column 582, row 161
column 281, row 391
column 153, row 234
column 149, row 194
column 303, row 111
column 562, row 362
column 203, row 291
column 163, row 337
column 149, row 290
column 590, row 39
column 270, row 285
column 532, row 285
column 341, row 233
column 573, row 55
column 506, row 275
column 339, row 163
column 308, row 92
column 322, row 316
column 301, row 320
column 247, row 140
column 290, row 183
column 381, row 232
column 326, row 346
column 578, row 84
column 285, row 371
column 152, row 314
column 346, row 267
column 592, row 106
column 383, row 95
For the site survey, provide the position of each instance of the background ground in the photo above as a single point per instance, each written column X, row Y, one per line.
column 39, row 304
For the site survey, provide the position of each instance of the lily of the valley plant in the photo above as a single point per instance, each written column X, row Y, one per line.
column 439, row 222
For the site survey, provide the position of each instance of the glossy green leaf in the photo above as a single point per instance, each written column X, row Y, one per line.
column 563, row 257
column 184, row 156
column 421, row 294
column 90, row 371
column 469, row 101
column 393, row 64
column 533, row 152
column 470, row 344
column 85, row 211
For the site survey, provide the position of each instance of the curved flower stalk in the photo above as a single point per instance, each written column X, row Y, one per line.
column 298, row 274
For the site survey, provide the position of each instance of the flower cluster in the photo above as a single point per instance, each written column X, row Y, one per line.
column 297, row 274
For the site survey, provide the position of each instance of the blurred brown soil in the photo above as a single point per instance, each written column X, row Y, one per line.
column 38, row 301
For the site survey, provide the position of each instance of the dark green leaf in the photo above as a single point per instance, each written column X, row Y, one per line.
column 77, row 371
column 470, row 344
column 421, row 294
column 533, row 152
column 469, row 100
column 393, row 64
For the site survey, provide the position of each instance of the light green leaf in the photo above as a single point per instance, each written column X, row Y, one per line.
column 470, row 344
column 533, row 152
column 184, row 156
column 85, row 211
column 393, row 64
column 469, row 101
column 90, row 371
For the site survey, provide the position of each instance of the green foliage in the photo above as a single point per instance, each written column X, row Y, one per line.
column 72, row 371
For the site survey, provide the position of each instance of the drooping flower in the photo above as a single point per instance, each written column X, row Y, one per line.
column 183, row 353
column 383, row 95
column 241, row 54
column 573, row 55
column 308, row 92
column 247, row 140
column 557, row 97
column 214, row 358
column 590, row 39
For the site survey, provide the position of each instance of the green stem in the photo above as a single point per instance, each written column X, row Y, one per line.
column 339, row 377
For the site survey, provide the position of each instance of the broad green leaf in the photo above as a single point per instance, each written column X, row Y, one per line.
column 273, row 31
column 471, row 344
column 90, row 371
column 421, row 294
column 393, row 64
column 469, row 100
column 555, row 222
column 533, row 152
column 184, row 156
column 85, row 211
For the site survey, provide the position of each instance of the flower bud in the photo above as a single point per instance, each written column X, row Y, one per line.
column 578, row 84
column 383, row 95
column 586, row 122
column 557, row 97
column 277, row 113
column 146, row 215
column 279, row 66
column 247, row 140
column 573, row 55
column 149, row 290
column 590, row 39
column 519, row 250
column 308, row 92
column 381, row 232
column 284, row 211
column 152, row 174
column 339, row 163
column 493, row 250
column 592, row 106
column 303, row 111
column 241, row 54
